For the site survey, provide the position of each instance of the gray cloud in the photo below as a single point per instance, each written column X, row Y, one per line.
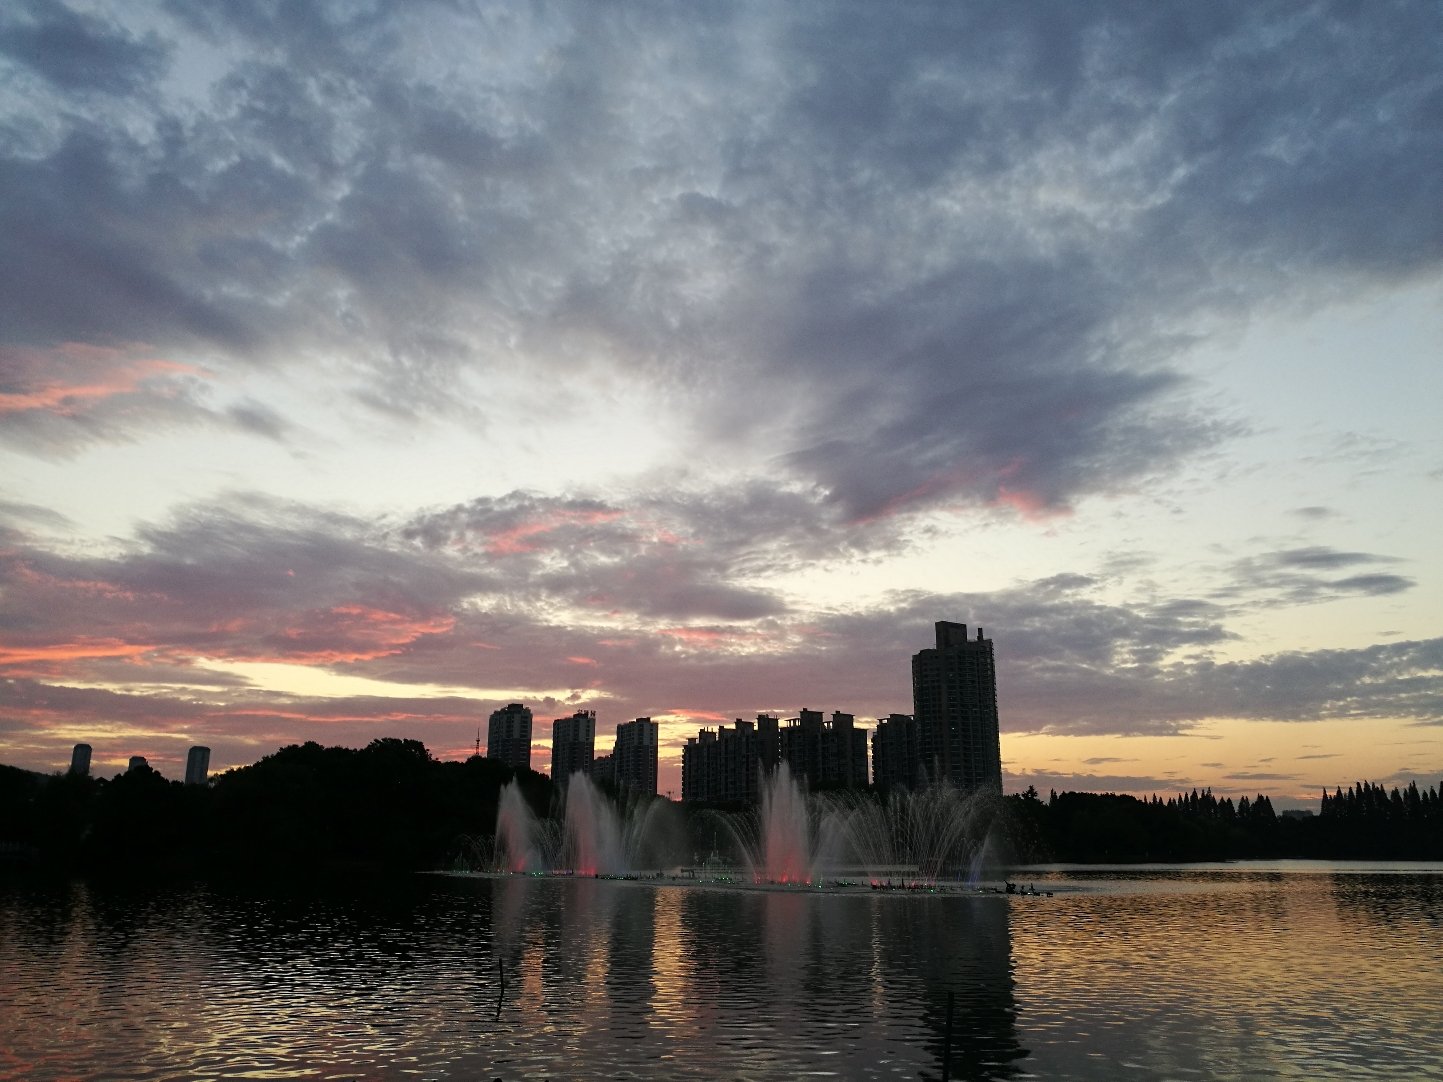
column 1255, row 776
column 17, row 511
column 649, row 612
column 1327, row 559
column 678, row 554
column 958, row 244
column 500, row 595
column 942, row 257
column 1374, row 585
column 1299, row 576
column 259, row 419
column 79, row 52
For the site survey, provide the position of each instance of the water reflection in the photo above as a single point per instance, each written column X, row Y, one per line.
column 1389, row 900
column 965, row 950
column 1175, row 973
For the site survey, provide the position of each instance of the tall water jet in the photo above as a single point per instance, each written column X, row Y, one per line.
column 917, row 837
column 516, row 833
column 786, row 832
column 591, row 838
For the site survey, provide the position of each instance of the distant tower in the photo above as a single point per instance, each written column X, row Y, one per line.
column 508, row 737
column 137, row 762
column 954, row 698
column 80, row 760
column 603, row 770
column 825, row 753
column 197, row 765
column 573, row 745
column 895, row 759
column 722, row 767
column 634, row 756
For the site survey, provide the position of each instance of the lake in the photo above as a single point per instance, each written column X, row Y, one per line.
column 1252, row 970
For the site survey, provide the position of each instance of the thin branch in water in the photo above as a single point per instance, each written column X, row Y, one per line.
column 501, row 997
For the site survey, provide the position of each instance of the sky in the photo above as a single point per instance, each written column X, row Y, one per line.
column 366, row 367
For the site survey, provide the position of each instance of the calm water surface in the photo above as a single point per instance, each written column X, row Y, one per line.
column 1288, row 970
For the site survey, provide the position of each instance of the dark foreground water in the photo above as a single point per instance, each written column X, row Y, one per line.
column 1289, row 970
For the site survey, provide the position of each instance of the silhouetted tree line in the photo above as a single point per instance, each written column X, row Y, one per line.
column 1364, row 823
column 391, row 805
column 303, row 808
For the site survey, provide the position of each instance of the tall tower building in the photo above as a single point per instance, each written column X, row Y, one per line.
column 954, row 699
column 573, row 745
column 634, row 757
column 508, row 737
column 197, row 765
column 80, row 760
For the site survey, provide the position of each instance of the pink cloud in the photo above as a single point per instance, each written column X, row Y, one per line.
column 29, row 575
column 74, row 650
column 350, row 633
column 700, row 636
column 958, row 478
column 1030, row 505
column 525, row 536
column 71, row 378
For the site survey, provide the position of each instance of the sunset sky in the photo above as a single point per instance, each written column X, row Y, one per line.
column 366, row 367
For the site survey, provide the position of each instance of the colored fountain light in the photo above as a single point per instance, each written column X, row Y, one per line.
column 516, row 830
column 787, row 853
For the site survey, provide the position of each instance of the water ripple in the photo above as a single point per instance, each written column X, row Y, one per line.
column 1154, row 974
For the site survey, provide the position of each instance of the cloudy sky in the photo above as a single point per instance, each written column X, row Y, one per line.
column 366, row 367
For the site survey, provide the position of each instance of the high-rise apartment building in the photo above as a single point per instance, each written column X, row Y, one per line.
column 633, row 758
column 896, row 762
column 727, row 765
column 508, row 736
column 722, row 766
column 603, row 772
column 826, row 754
column 197, row 765
column 80, row 760
column 954, row 699
column 573, row 745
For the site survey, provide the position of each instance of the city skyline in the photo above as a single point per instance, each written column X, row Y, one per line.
column 363, row 372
